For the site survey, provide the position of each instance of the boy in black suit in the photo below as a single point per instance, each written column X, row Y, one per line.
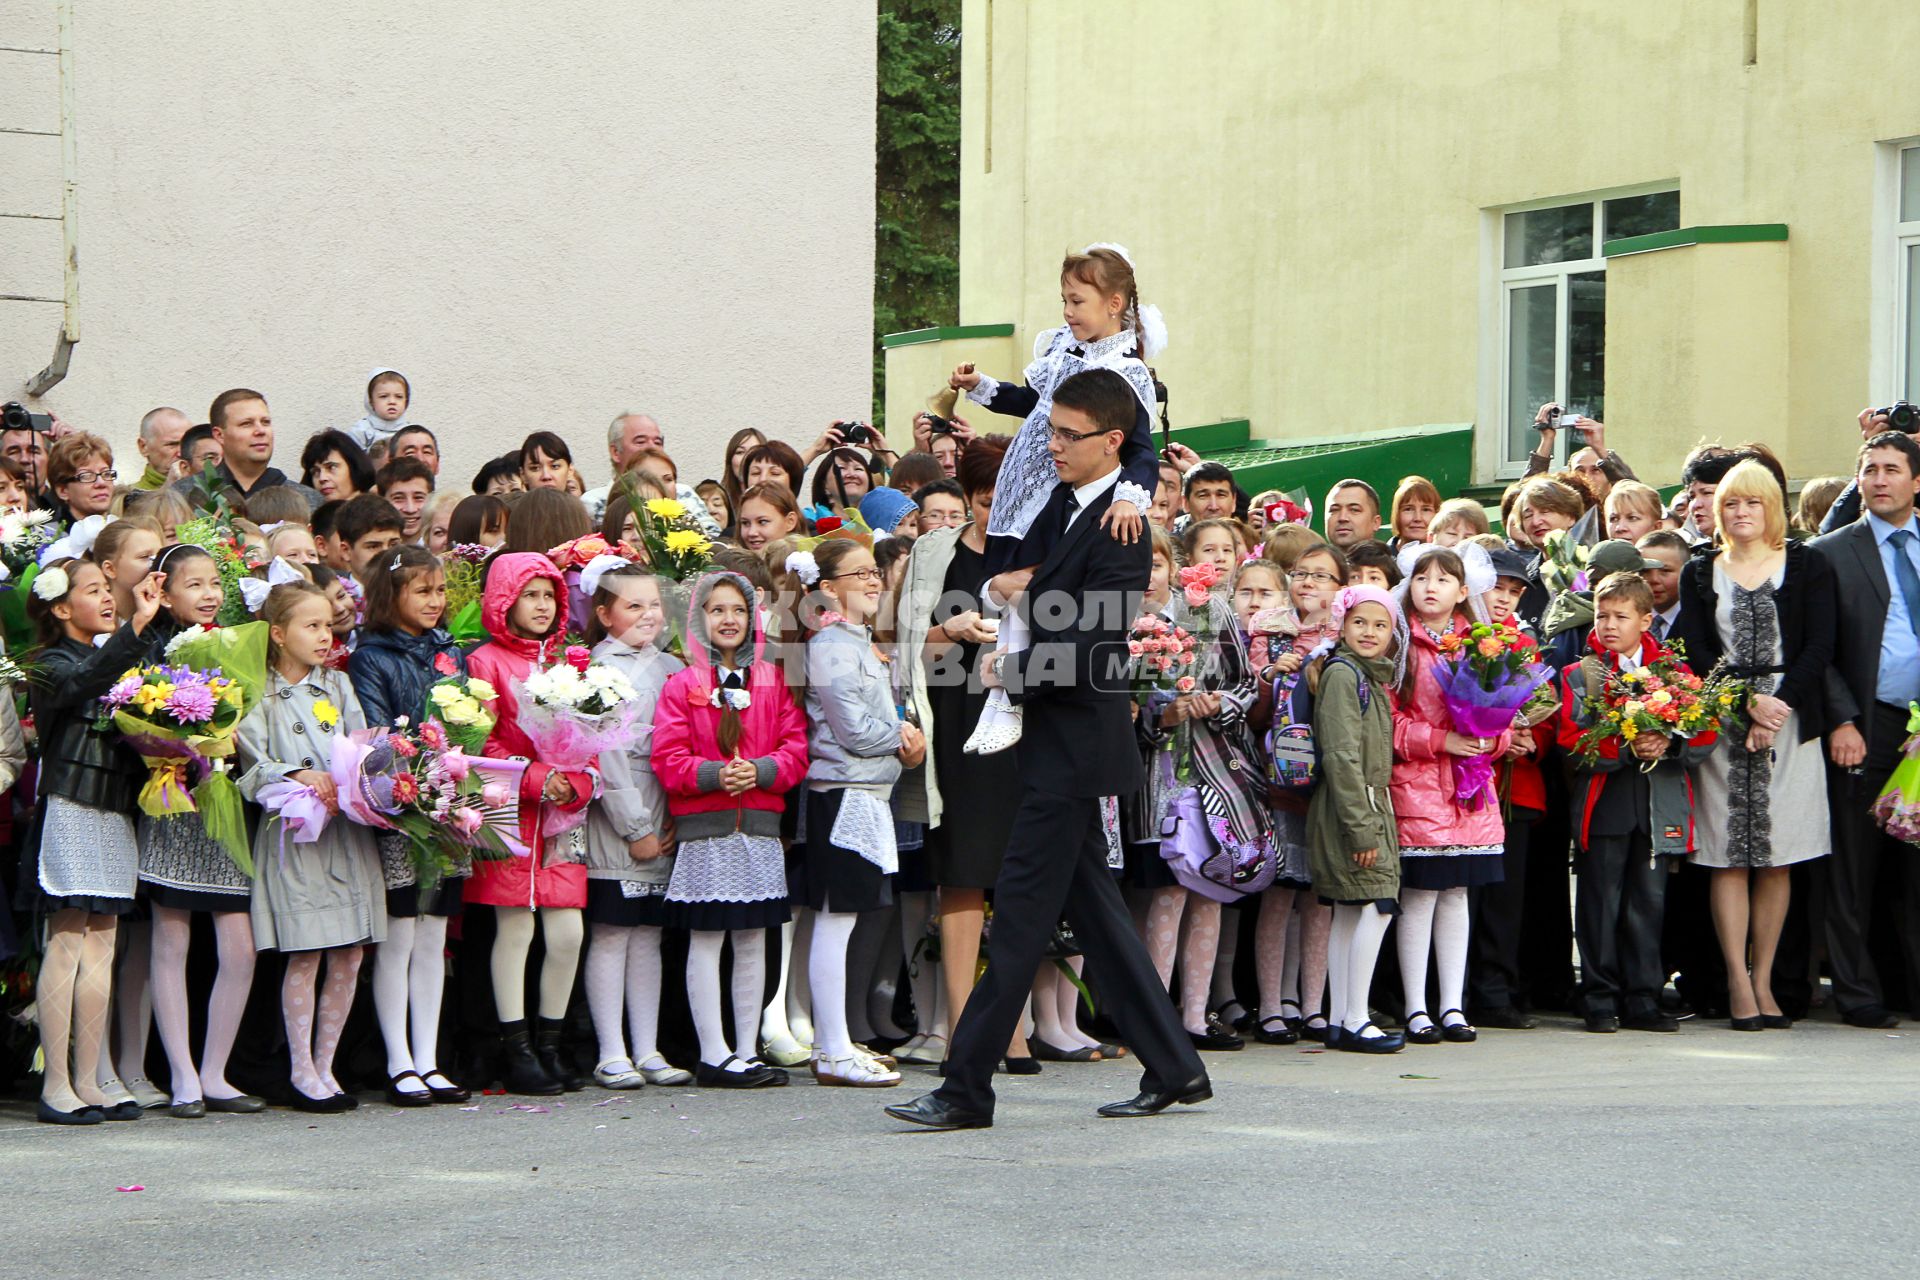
column 1078, row 745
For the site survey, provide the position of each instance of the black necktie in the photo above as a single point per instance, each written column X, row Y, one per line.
column 1071, row 505
column 732, row 680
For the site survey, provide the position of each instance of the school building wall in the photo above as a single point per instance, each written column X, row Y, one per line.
column 1312, row 194
column 545, row 215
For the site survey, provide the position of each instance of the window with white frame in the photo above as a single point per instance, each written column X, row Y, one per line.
column 1553, row 307
column 1906, row 316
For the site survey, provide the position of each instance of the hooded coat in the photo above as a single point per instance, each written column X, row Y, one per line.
column 1423, row 782
column 560, row 878
column 686, row 733
column 392, row 671
column 371, row 427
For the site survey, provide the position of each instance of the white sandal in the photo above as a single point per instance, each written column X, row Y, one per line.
column 855, row 1071
column 999, row 728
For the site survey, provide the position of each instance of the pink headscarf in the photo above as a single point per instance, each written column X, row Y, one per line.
column 1347, row 599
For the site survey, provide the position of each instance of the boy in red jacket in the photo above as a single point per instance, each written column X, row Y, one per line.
column 1632, row 817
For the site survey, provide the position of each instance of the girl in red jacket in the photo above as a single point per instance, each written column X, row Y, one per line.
column 524, row 608
column 728, row 742
column 1444, row 849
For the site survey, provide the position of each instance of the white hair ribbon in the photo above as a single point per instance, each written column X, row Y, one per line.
column 801, row 565
column 78, row 540
column 256, row 590
column 596, row 569
column 50, row 584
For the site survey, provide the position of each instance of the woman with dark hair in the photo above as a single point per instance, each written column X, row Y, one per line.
column 498, row 477
column 843, row 477
column 733, row 475
column 480, row 520
column 545, row 462
column 336, row 467
column 543, row 519
column 775, row 460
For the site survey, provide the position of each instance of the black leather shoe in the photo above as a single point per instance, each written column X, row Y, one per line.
column 1461, row 1032
column 244, row 1105
column 1217, row 1038
column 1274, row 1029
column 128, row 1110
column 1776, row 1022
column 1651, row 1021
column 1153, row 1102
column 933, row 1112
column 1429, row 1034
column 187, row 1110
column 1360, row 1042
column 1504, row 1018
column 754, row 1077
column 1602, row 1023
column 330, row 1106
column 448, row 1092
column 83, row 1115
column 1874, row 1017
column 1755, row 1023
column 1045, row 1052
column 398, row 1097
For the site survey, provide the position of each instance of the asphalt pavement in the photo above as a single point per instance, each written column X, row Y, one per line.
column 1541, row 1153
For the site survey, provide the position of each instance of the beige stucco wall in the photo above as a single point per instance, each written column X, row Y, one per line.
column 1304, row 185
column 543, row 213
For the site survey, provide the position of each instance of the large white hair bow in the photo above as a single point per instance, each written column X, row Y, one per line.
column 1153, row 325
column 596, row 569
column 77, row 541
column 802, row 565
column 256, row 590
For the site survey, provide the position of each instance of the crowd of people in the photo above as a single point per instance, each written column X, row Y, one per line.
column 817, row 819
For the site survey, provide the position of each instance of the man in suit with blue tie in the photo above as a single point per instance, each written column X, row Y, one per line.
column 1077, row 746
column 1875, row 675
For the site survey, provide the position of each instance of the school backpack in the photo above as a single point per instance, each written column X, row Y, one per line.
column 1293, row 757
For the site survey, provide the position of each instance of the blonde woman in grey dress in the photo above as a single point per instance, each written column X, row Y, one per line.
column 1766, row 609
column 326, row 897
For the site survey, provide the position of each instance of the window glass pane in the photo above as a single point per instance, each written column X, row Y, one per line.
column 1910, row 185
column 1913, row 323
column 1550, row 235
column 1642, row 215
column 1530, row 350
column 1587, row 346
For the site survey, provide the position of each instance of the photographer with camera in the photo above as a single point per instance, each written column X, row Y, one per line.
column 24, row 440
column 1899, row 416
column 1598, row 465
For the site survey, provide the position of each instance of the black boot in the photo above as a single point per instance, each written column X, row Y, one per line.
column 546, row 1046
column 524, row 1072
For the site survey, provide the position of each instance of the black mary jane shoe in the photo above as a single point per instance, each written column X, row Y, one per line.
column 398, row 1097
column 1322, row 1034
column 1360, row 1042
column 754, row 1077
column 1217, row 1038
column 930, row 1111
column 448, row 1092
column 1151, row 1102
column 86, row 1114
column 1294, row 1019
column 1429, row 1035
column 332, row 1105
column 1461, row 1032
column 1274, row 1029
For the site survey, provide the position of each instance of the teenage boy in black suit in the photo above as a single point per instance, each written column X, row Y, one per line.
column 1078, row 745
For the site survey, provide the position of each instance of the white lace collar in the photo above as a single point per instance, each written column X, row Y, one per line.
column 1121, row 343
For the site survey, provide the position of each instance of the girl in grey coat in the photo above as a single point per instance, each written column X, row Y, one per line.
column 327, row 896
column 629, row 836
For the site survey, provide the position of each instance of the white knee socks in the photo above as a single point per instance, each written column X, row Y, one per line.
column 1355, row 960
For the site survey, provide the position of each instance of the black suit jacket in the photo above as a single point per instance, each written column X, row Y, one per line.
column 1071, row 681
column 1807, row 613
column 1861, row 588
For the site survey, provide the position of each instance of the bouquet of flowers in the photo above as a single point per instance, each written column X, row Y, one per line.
column 1662, row 697
column 574, row 710
column 215, row 533
column 671, row 539
column 1162, row 659
column 1563, row 563
column 185, row 716
column 1487, row 676
column 461, row 567
column 463, row 705
column 22, row 534
column 1897, row 809
column 416, row 782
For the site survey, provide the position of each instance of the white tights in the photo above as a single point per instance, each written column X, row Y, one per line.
column 310, row 1043
column 1352, row 950
column 623, row 976
column 409, row 975
column 512, row 943
column 827, row 973
column 749, row 985
column 1436, row 917
column 172, row 930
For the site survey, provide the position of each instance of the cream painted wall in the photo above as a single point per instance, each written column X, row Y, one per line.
column 1303, row 185
column 543, row 214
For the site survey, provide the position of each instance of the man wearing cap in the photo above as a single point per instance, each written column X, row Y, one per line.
column 1569, row 616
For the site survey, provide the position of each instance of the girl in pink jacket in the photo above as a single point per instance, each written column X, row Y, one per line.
column 524, row 608
column 1444, row 849
column 728, row 743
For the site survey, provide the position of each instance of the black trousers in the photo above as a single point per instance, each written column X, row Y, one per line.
column 1499, row 912
column 1619, row 898
column 1055, row 867
column 1869, row 867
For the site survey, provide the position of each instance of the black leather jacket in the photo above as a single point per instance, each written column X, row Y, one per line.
column 86, row 765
